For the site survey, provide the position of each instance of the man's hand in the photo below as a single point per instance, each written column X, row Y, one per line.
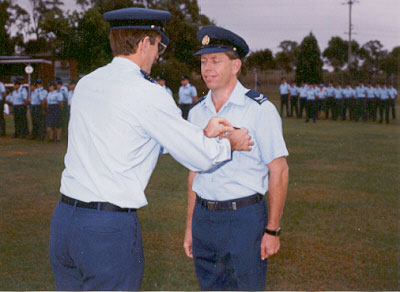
column 269, row 246
column 217, row 126
column 239, row 139
column 187, row 243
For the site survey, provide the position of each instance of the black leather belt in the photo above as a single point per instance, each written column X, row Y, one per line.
column 103, row 206
column 231, row 204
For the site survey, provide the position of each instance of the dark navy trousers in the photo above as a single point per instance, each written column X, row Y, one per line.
column 95, row 250
column 226, row 247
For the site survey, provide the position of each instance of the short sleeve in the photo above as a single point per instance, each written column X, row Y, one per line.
column 2, row 88
column 269, row 133
column 194, row 91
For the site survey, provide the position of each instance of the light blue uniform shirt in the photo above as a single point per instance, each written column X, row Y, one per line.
column 330, row 91
column 338, row 93
column 348, row 92
column 38, row 95
column 360, row 92
column 119, row 122
column 303, row 91
column 19, row 96
column 70, row 95
column 294, row 90
column 311, row 92
column 284, row 88
column 247, row 172
column 384, row 93
column 64, row 92
column 370, row 91
column 186, row 94
column 321, row 93
column 2, row 90
column 377, row 92
column 54, row 97
column 392, row 92
column 170, row 91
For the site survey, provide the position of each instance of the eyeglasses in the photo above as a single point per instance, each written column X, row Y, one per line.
column 161, row 48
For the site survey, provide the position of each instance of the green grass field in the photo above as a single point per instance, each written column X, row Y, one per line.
column 340, row 224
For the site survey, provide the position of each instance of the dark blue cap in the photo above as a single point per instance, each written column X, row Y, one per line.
column 139, row 18
column 216, row 39
column 39, row 81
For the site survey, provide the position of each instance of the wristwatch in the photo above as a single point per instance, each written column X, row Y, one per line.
column 273, row 232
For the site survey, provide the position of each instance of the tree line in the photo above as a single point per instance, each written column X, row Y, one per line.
column 82, row 34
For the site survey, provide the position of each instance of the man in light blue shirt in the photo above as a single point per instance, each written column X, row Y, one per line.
column 284, row 91
column 330, row 100
column 187, row 95
column 294, row 98
column 348, row 94
column 227, row 231
column 2, row 102
column 63, row 90
column 360, row 106
column 37, row 102
column 19, row 102
column 384, row 103
column 161, row 81
column 311, row 111
column 338, row 93
column 392, row 100
column 303, row 98
column 371, row 102
column 120, row 123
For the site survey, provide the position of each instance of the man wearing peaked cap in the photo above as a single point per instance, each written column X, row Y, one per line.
column 228, row 232
column 187, row 94
column 119, row 124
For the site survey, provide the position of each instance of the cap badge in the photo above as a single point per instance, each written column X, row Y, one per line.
column 205, row 41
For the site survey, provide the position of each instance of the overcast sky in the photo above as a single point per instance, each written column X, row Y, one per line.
column 265, row 23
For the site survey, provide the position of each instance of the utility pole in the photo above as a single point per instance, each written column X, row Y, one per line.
column 350, row 3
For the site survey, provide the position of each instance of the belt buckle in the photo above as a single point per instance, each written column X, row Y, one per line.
column 211, row 205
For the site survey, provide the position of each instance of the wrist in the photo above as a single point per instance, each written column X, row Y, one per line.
column 273, row 232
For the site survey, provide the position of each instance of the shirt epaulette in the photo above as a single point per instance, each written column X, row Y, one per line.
column 256, row 96
column 198, row 101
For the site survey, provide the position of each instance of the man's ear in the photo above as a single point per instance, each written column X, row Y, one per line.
column 237, row 64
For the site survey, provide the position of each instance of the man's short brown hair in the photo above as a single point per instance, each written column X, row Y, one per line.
column 125, row 41
column 231, row 55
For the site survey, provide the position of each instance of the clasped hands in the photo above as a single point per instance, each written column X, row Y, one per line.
column 239, row 138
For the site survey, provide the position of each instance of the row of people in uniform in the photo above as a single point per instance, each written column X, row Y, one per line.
column 48, row 108
column 359, row 102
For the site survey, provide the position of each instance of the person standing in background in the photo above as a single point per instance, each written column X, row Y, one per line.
column 338, row 105
column 392, row 100
column 54, row 104
column 284, row 91
column 371, row 108
column 330, row 100
column 187, row 96
column 294, row 98
column 303, row 98
column 2, row 102
column 161, row 80
column 19, row 101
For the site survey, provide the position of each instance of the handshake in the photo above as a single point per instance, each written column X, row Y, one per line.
column 239, row 138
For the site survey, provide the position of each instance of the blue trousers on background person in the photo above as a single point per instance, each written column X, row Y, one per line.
column 95, row 250
column 226, row 247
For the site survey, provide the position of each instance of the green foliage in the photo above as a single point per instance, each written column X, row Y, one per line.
column 6, row 47
column 309, row 62
column 337, row 53
column 261, row 60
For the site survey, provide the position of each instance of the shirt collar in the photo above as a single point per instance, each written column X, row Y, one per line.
column 237, row 97
column 126, row 63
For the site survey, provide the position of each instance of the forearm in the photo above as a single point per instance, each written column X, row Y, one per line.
column 278, row 184
column 191, row 200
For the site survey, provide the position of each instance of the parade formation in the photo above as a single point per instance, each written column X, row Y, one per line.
column 366, row 103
